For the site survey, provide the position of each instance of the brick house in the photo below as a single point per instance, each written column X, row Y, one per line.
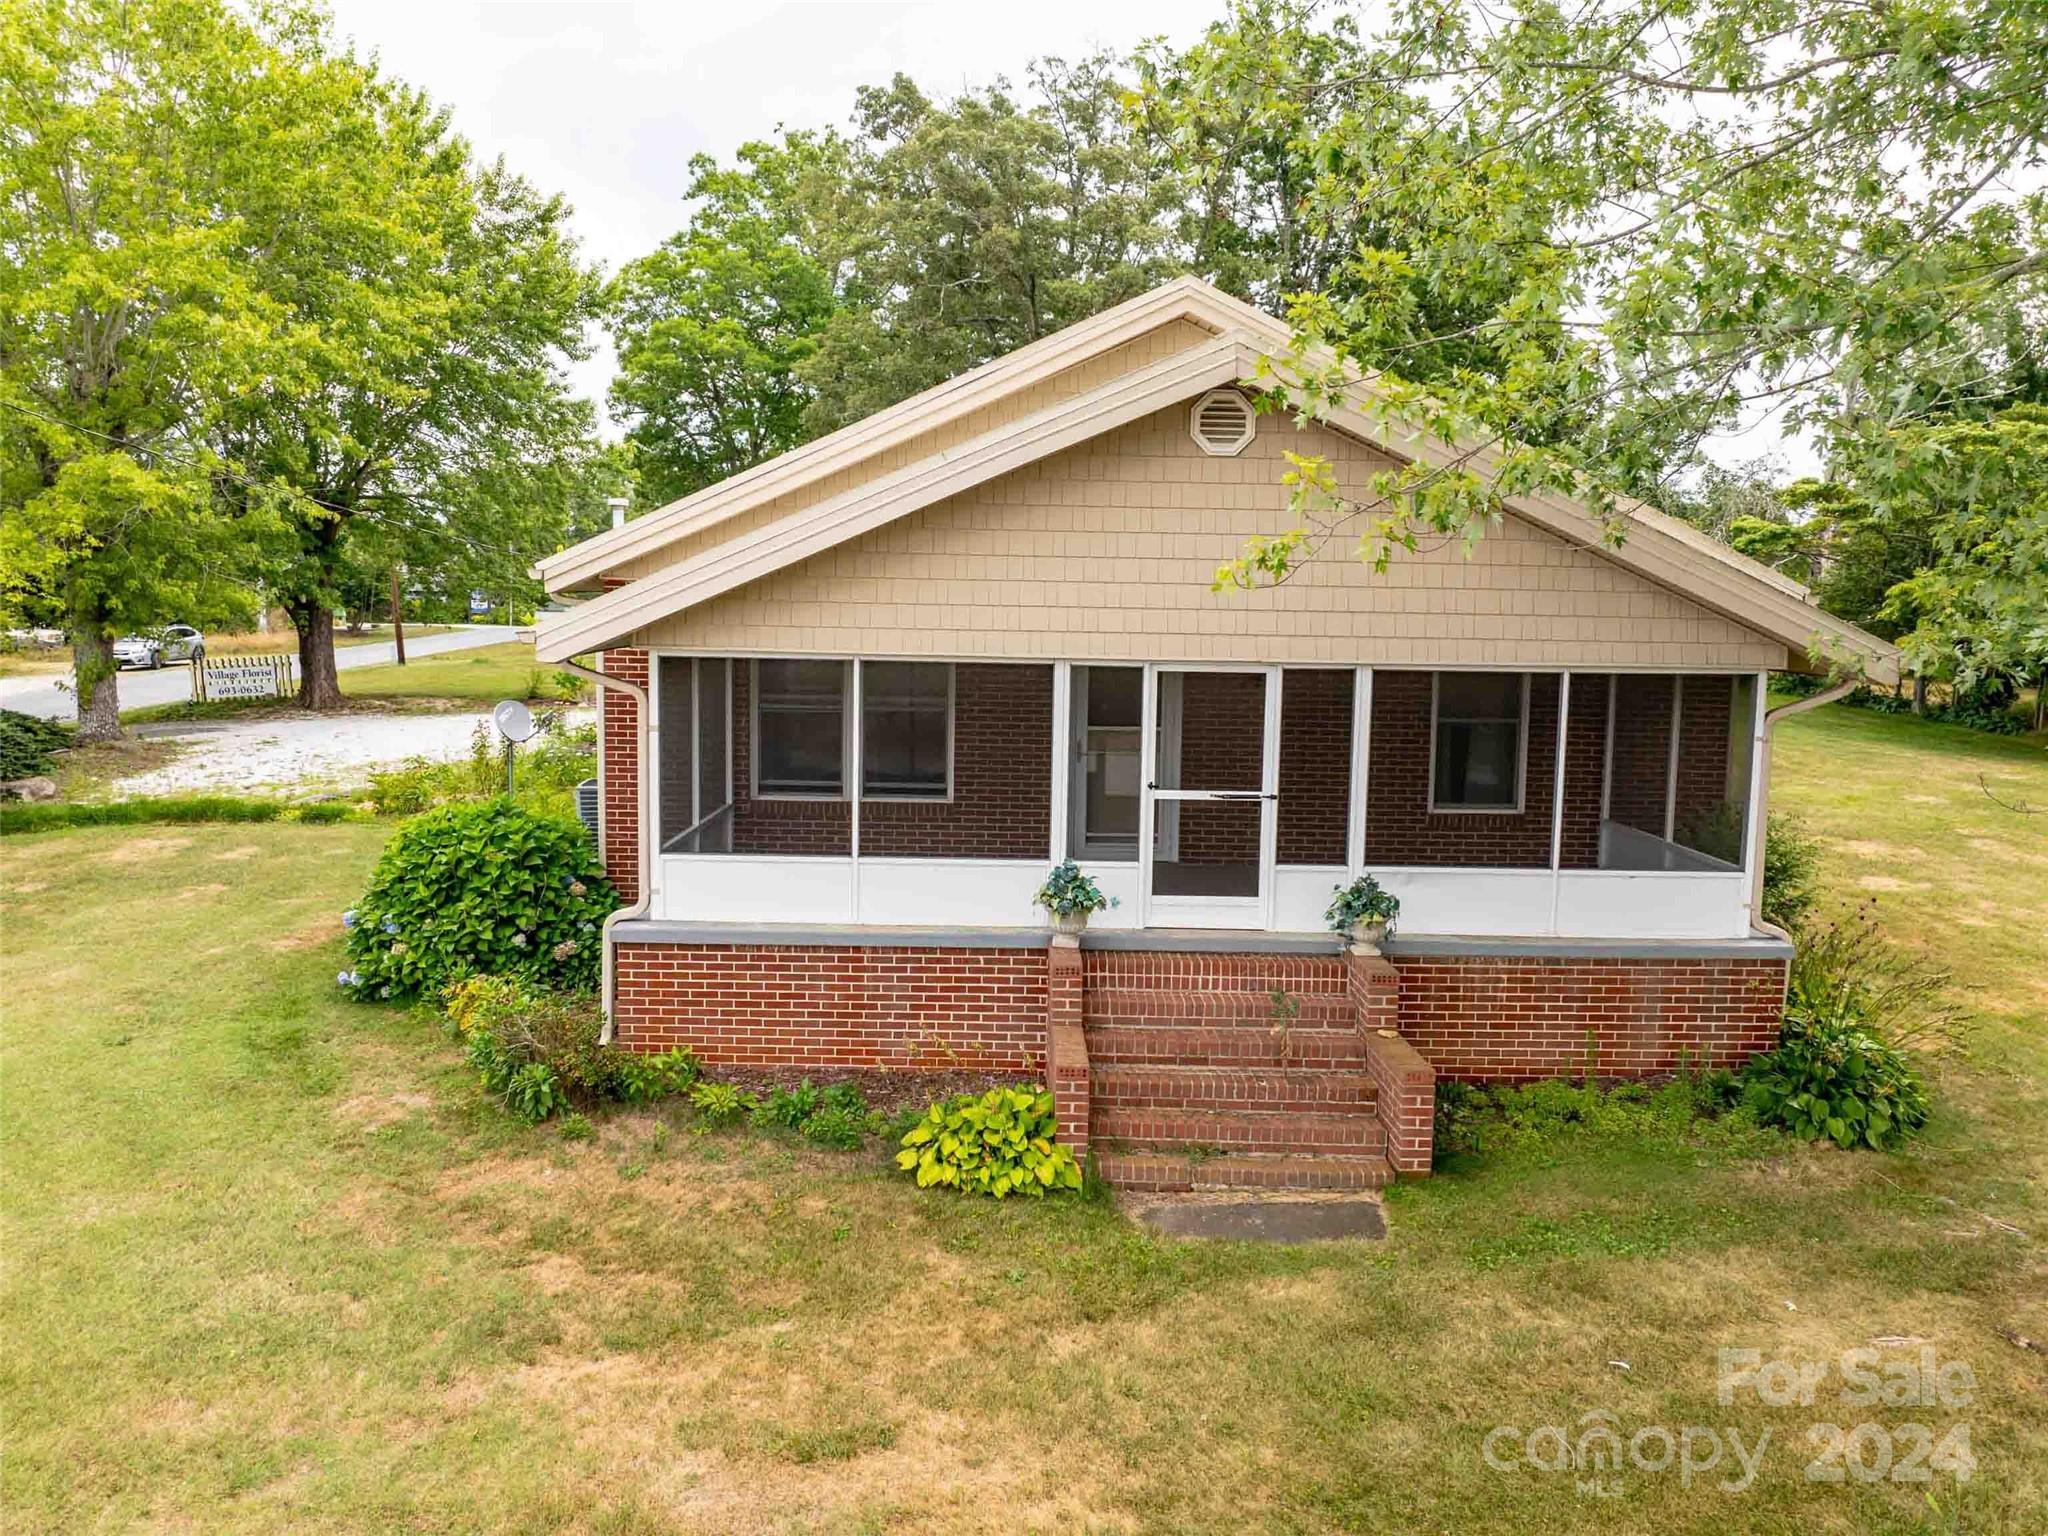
column 859, row 698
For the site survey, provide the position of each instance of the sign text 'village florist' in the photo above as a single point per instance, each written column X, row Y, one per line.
column 243, row 677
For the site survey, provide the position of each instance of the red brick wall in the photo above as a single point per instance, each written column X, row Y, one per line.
column 1002, row 782
column 619, row 771
column 1399, row 828
column 777, row 826
column 1642, row 750
column 819, row 1006
column 1703, row 740
column 1223, row 746
column 1484, row 1019
column 1315, row 765
column 1002, row 776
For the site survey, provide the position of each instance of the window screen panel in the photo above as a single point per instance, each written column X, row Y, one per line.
column 906, row 730
column 800, row 728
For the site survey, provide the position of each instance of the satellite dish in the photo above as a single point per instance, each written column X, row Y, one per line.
column 513, row 720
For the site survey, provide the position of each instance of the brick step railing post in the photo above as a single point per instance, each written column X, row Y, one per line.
column 1404, row 1081
column 1066, row 1044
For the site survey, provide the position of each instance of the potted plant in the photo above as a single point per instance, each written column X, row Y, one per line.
column 1365, row 910
column 1068, row 896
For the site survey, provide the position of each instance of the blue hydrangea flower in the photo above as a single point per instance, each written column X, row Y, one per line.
column 345, row 979
column 348, row 918
column 391, row 925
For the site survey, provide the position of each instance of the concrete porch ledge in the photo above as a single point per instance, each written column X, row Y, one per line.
column 1757, row 946
column 1225, row 941
column 836, row 936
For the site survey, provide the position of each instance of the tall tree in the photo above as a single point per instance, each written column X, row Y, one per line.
column 438, row 300
column 974, row 226
column 711, row 326
column 138, row 135
column 1819, row 204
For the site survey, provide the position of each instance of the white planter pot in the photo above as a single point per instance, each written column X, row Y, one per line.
column 1069, row 923
column 1369, row 933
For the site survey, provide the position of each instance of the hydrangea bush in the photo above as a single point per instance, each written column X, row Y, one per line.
column 474, row 890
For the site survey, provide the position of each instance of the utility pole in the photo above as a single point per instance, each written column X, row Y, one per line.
column 397, row 618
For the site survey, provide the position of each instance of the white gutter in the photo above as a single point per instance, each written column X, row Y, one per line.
column 642, row 851
column 1763, row 797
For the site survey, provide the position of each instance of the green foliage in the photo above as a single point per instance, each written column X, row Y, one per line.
column 997, row 1143
column 1067, row 891
column 1791, row 871
column 175, row 810
column 720, row 1104
column 477, row 890
column 1830, row 1078
column 556, row 761
column 1840, row 1070
column 833, row 1116
column 789, row 1108
column 1538, row 244
column 26, row 743
column 712, row 325
column 1534, row 1120
column 1364, row 900
column 647, row 1079
column 537, row 1052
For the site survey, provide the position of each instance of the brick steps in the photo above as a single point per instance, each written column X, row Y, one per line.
column 1184, row 1045
column 1312, row 1089
column 1234, row 1007
column 1282, row 1130
column 1164, row 1173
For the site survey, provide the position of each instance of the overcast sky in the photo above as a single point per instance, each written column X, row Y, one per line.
column 605, row 101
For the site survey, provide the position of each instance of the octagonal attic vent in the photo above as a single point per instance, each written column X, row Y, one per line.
column 1222, row 422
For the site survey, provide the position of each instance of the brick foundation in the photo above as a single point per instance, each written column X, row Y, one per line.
column 1189, row 1051
column 846, row 1007
column 1516, row 1019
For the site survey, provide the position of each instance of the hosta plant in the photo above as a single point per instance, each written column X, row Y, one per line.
column 997, row 1143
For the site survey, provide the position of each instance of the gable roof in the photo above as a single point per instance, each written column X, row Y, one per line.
column 1658, row 547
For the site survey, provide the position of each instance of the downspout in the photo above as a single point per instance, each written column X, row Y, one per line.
column 642, row 844
column 1763, row 797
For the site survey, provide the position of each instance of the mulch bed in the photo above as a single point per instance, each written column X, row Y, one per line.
column 885, row 1091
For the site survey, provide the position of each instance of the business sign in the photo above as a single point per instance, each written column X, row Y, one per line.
column 243, row 677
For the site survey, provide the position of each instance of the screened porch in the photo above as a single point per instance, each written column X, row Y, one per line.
column 936, row 793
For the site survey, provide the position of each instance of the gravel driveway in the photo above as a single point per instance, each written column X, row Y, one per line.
column 305, row 754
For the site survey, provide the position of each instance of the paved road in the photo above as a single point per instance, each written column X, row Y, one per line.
column 172, row 685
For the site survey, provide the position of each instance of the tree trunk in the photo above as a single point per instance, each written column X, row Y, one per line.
column 397, row 619
column 319, row 688
column 1919, row 693
column 92, row 672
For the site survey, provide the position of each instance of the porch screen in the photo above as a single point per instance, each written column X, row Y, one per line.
column 1476, row 757
column 693, row 783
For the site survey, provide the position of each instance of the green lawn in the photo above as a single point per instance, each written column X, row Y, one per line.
column 271, row 1266
column 450, row 679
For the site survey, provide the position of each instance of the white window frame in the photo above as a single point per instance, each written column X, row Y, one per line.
column 1521, row 750
column 848, row 722
column 852, row 771
column 952, row 704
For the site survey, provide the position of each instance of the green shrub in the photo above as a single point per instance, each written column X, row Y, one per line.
column 1791, row 871
column 837, row 1127
column 559, row 759
column 1831, row 1078
column 537, row 1052
column 26, row 743
column 722, row 1103
column 997, row 1143
column 645, row 1079
column 789, row 1108
column 1839, row 1071
column 1535, row 1119
column 479, row 890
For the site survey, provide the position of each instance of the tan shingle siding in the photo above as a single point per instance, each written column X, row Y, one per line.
column 1107, row 550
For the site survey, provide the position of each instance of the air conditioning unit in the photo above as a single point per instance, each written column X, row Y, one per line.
column 586, row 806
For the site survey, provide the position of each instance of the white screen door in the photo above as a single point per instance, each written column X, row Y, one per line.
column 1208, row 822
